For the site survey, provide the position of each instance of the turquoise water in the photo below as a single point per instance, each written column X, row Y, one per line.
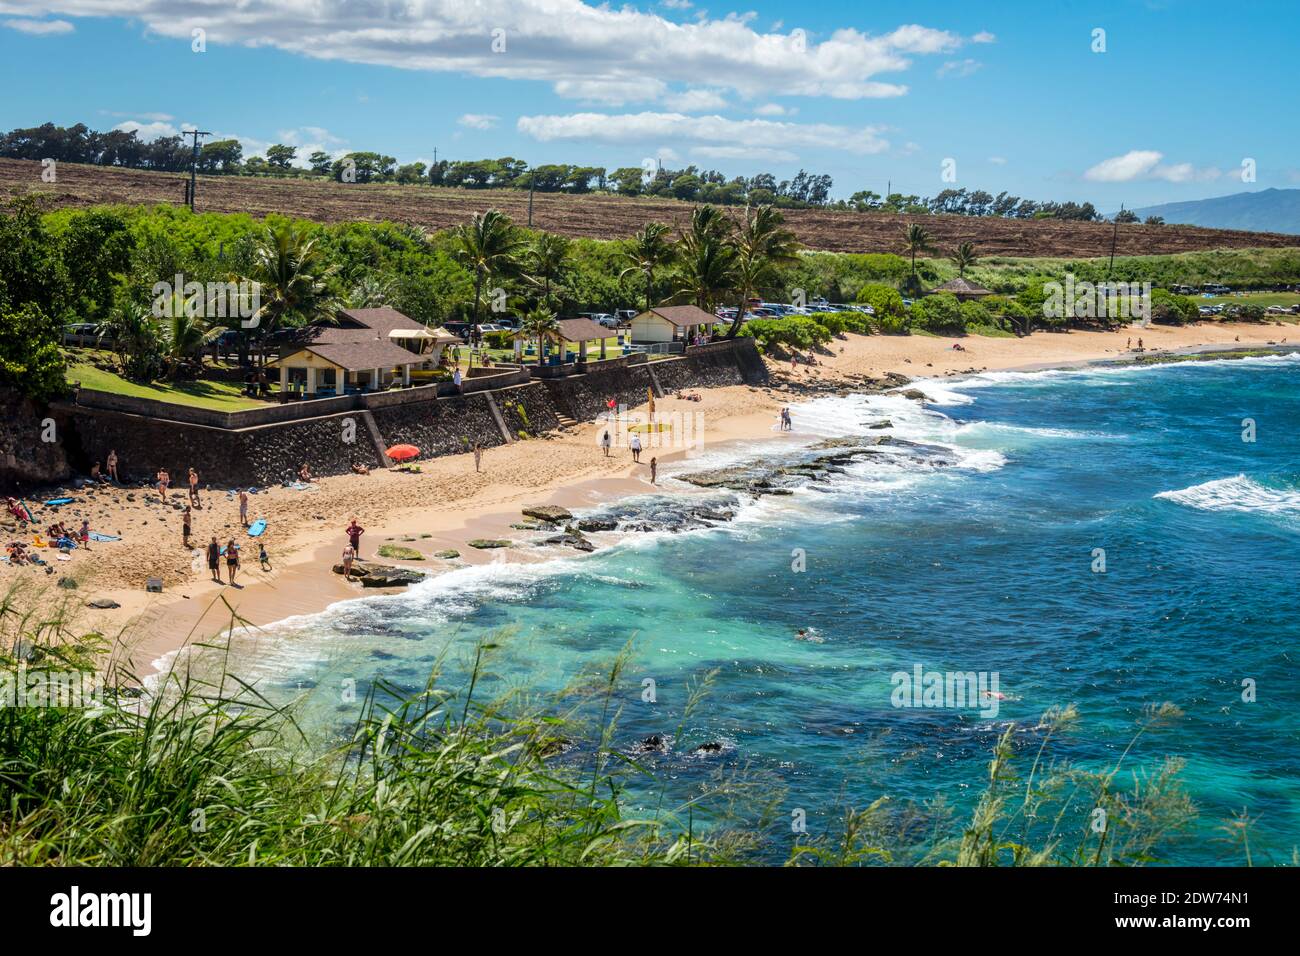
column 985, row 563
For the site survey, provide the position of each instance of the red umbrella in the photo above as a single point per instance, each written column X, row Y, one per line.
column 403, row 452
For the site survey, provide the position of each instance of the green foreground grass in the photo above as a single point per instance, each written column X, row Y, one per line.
column 209, row 772
column 222, row 396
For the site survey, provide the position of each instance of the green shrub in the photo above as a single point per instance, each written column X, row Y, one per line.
column 499, row 340
column 798, row 331
column 938, row 313
column 835, row 323
column 1174, row 309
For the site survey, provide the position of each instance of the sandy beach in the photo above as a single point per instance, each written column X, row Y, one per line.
column 447, row 503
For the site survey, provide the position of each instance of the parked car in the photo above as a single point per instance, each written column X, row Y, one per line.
column 625, row 316
column 609, row 321
column 81, row 333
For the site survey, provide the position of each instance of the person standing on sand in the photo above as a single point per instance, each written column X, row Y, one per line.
column 214, row 559
column 456, row 380
column 164, row 480
column 194, row 490
column 186, row 527
column 263, row 557
column 112, row 466
column 478, row 456
column 654, row 471
column 243, row 507
column 635, row 445
column 605, row 442
column 232, row 559
column 349, row 553
column 84, row 534
column 354, row 532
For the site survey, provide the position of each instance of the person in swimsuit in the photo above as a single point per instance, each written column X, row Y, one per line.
column 194, row 489
column 243, row 507
column 112, row 466
column 349, row 553
column 478, row 456
column 354, row 532
column 187, row 527
column 214, row 559
column 654, row 471
column 163, row 480
column 84, row 534
column 232, row 559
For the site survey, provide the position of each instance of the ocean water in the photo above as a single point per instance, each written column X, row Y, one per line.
column 984, row 559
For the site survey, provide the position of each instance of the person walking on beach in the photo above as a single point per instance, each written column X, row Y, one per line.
column 243, row 507
column 349, row 554
column 214, row 559
column 635, row 445
column 354, row 533
column 194, row 490
column 654, row 471
column 478, row 456
column 786, row 424
column 112, row 466
column 232, row 559
column 263, row 558
column 164, row 480
column 187, row 526
column 605, row 442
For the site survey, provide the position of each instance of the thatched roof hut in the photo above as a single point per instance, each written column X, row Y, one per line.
column 963, row 289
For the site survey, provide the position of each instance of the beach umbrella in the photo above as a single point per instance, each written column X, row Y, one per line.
column 403, row 452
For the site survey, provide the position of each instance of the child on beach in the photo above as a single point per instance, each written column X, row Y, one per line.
column 262, row 557
column 84, row 533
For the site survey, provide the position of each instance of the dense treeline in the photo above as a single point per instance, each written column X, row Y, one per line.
column 101, row 265
column 80, row 144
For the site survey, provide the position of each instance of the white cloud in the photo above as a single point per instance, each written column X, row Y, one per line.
column 40, row 28
column 625, row 128
column 751, row 153
column 775, row 109
column 677, row 4
column 151, row 117
column 958, row 68
column 581, row 47
column 695, row 101
column 478, row 121
column 983, row 37
column 1139, row 164
column 148, row 131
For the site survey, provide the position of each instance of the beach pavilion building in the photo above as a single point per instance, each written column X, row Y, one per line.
column 670, row 323
column 364, row 350
column 575, row 338
column 963, row 289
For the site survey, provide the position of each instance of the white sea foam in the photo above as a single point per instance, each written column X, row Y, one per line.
column 1237, row 493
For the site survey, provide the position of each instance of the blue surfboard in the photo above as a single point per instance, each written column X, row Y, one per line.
column 59, row 501
column 257, row 527
column 96, row 536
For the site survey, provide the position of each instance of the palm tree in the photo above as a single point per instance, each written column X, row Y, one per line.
column 917, row 239
column 370, row 292
column 541, row 324
column 547, row 262
column 963, row 256
column 292, row 280
column 706, row 258
column 134, row 337
column 489, row 247
column 184, row 336
column 647, row 251
column 761, row 244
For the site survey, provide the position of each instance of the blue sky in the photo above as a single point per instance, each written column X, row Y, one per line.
column 1012, row 92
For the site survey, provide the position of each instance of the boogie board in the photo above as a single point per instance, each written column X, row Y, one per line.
column 257, row 527
column 59, row 501
column 96, row 536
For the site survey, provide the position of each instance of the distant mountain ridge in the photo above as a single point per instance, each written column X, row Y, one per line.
column 1266, row 210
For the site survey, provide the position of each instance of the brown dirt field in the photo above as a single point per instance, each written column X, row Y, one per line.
column 600, row 217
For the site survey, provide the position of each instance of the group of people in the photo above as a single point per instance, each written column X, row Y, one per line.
column 786, row 423
column 634, row 445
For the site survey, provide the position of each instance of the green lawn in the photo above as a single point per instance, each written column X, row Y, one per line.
column 222, row 396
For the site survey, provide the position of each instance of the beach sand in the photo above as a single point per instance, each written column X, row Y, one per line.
column 448, row 503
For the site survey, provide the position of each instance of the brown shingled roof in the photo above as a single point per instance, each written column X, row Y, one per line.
column 683, row 316
column 360, row 356
column 584, row 330
column 960, row 287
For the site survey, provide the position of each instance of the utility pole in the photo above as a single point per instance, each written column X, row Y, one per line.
column 532, row 175
column 1113, row 239
column 194, row 160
